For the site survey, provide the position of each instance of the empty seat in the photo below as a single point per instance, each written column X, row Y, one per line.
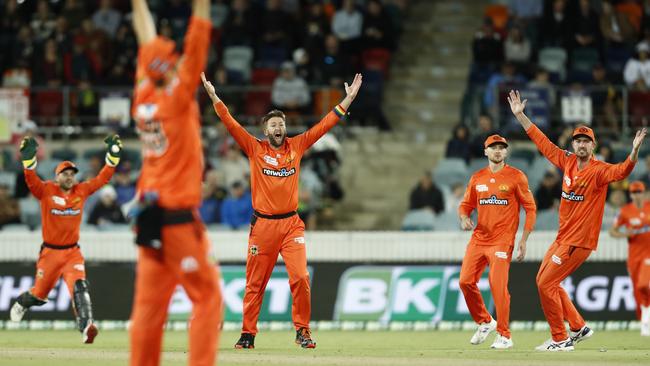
column 238, row 59
column 46, row 168
column 583, row 59
column 450, row 171
column 447, row 221
column 8, row 179
column 519, row 163
column 30, row 212
column 416, row 220
column 553, row 59
column 547, row 219
column 527, row 154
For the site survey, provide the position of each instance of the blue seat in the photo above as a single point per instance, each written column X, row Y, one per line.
column 418, row 220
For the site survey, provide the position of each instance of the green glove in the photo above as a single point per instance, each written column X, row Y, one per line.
column 28, row 149
column 114, row 150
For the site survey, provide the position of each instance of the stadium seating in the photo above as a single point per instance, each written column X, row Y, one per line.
column 450, row 171
column 30, row 212
column 553, row 60
column 547, row 219
column 238, row 60
column 446, row 221
column 64, row 154
column 418, row 220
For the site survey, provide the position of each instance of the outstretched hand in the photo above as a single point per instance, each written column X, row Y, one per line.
column 209, row 88
column 516, row 104
column 352, row 90
column 638, row 139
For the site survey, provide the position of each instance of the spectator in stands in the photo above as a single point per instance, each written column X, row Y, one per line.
column 234, row 166
column 458, row 146
column 237, row 209
column 605, row 153
column 548, row 193
column 485, row 129
column 78, row 66
column 427, row 195
column 61, row 36
column 555, row 30
column 508, row 77
column 617, row 198
column 106, row 212
column 637, row 69
column 517, row 48
column 276, row 26
column 124, row 185
column 42, row 21
column 615, row 27
column 49, row 68
column 526, row 10
column 541, row 82
column 586, row 26
column 633, row 11
column 376, row 31
column 213, row 196
column 74, row 11
column 304, row 67
column 290, row 93
column 605, row 100
column 315, row 27
column 106, row 18
column 487, row 47
column 347, row 25
column 334, row 65
column 24, row 46
column 9, row 211
column 306, row 207
column 219, row 13
column 239, row 29
column 453, row 201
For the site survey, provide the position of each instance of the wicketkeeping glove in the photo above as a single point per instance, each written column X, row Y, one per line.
column 114, row 150
column 28, row 149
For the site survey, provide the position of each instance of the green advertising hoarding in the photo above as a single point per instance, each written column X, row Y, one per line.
column 404, row 293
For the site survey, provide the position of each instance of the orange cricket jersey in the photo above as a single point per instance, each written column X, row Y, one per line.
column 274, row 173
column 169, row 126
column 497, row 198
column 636, row 221
column 61, row 213
column 583, row 191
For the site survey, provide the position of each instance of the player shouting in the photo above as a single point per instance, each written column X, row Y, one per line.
column 62, row 202
column 496, row 192
column 275, row 226
column 635, row 217
column 584, row 189
column 174, row 247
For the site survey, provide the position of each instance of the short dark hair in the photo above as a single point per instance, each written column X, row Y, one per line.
column 273, row 113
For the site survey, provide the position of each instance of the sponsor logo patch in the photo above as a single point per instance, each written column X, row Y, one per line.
column 282, row 173
column 502, row 255
column 635, row 221
column 481, row 188
column 79, row 267
column 270, row 160
column 299, row 240
column 493, row 200
column 66, row 212
column 58, row 200
column 572, row 196
column 556, row 259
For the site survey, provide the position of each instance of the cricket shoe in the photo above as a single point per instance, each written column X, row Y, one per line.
column 551, row 346
column 581, row 334
column 501, row 342
column 303, row 338
column 645, row 329
column 89, row 333
column 246, row 340
column 483, row 331
column 17, row 312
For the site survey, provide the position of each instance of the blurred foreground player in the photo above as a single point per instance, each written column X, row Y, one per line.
column 635, row 218
column 582, row 202
column 275, row 225
column 173, row 243
column 62, row 202
column 496, row 192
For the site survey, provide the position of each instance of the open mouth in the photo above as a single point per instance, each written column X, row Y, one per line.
column 277, row 135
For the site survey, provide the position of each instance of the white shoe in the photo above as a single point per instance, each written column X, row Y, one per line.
column 645, row 321
column 17, row 312
column 583, row 334
column 551, row 346
column 89, row 333
column 483, row 332
column 501, row 342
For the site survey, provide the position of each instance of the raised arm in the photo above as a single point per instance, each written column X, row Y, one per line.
column 145, row 29
column 615, row 172
column 244, row 139
column 318, row 130
column 554, row 154
column 28, row 148
column 113, row 155
column 196, row 45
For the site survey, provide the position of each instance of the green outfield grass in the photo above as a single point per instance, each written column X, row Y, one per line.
column 341, row 348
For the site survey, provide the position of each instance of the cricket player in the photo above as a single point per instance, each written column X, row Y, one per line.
column 584, row 190
column 174, row 247
column 635, row 218
column 62, row 202
column 275, row 225
column 496, row 192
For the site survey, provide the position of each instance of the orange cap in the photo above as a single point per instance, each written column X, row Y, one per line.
column 158, row 57
column 584, row 131
column 65, row 165
column 637, row 186
column 495, row 139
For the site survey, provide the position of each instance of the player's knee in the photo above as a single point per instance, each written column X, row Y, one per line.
column 466, row 283
column 300, row 280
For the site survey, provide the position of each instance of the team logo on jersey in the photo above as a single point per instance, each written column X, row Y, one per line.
column 503, row 187
column 58, row 200
column 481, row 188
column 567, row 181
column 66, row 212
column 493, row 200
column 189, row 264
column 567, row 153
column 282, row 173
column 76, row 200
column 270, row 160
column 556, row 259
column 572, row 196
column 253, row 250
column 291, row 157
column 40, row 273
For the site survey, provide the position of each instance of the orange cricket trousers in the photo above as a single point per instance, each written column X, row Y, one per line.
column 639, row 269
column 184, row 259
column 267, row 239
column 54, row 263
column 477, row 257
column 559, row 262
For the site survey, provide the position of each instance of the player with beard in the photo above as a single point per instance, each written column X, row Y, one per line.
column 584, row 190
column 496, row 192
column 275, row 225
